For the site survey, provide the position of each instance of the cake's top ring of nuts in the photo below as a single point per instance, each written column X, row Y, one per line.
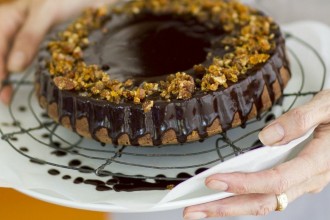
column 249, row 41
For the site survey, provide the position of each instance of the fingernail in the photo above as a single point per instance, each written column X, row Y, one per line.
column 16, row 61
column 3, row 98
column 5, row 95
column 272, row 134
column 217, row 185
column 195, row 215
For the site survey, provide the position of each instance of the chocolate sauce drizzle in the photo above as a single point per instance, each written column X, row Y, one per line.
column 54, row 172
column 120, row 183
column 181, row 116
column 107, row 181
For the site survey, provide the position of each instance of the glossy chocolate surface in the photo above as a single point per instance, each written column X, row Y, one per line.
column 148, row 49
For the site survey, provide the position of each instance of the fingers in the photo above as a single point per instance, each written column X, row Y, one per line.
column 311, row 161
column 11, row 19
column 253, row 204
column 275, row 181
column 27, row 41
column 41, row 16
column 5, row 89
column 313, row 185
column 297, row 122
column 5, row 94
column 3, row 74
column 256, row 192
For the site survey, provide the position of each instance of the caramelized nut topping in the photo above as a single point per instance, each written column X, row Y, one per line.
column 147, row 105
column 64, row 83
column 170, row 187
column 249, row 42
column 180, row 85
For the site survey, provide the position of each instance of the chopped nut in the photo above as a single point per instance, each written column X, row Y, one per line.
column 200, row 69
column 128, row 83
column 99, row 85
column 77, row 53
column 140, row 93
column 170, row 187
column 180, row 85
column 137, row 100
column 151, row 88
column 147, row 106
column 64, row 83
column 85, row 42
column 258, row 58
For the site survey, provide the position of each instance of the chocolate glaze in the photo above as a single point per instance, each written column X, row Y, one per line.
column 131, row 184
column 56, row 144
column 59, row 153
column 66, row 177
column 24, row 149
column 270, row 118
column 74, row 163
column 78, row 180
column 16, row 123
column 46, row 136
column 44, row 115
column 13, row 138
column 22, row 108
column 182, row 116
column 127, row 184
column 200, row 170
column 149, row 47
column 53, row 172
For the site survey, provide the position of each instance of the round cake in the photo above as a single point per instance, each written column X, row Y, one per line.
column 150, row 73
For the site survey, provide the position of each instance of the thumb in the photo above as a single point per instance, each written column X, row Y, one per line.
column 298, row 121
column 27, row 41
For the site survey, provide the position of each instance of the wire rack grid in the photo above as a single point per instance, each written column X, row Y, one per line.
column 30, row 132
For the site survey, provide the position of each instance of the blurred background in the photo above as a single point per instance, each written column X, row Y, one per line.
column 14, row 206
column 285, row 11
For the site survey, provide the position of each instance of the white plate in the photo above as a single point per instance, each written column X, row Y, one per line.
column 33, row 180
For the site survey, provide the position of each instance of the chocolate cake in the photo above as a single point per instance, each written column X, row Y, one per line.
column 150, row 73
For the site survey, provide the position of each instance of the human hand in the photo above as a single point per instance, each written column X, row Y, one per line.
column 23, row 25
column 309, row 172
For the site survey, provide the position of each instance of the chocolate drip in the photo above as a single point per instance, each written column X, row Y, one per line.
column 226, row 108
column 74, row 163
column 160, row 122
column 59, row 153
column 53, row 172
column 78, row 180
column 24, row 149
column 66, row 177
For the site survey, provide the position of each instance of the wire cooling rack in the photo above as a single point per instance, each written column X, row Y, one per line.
column 29, row 131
